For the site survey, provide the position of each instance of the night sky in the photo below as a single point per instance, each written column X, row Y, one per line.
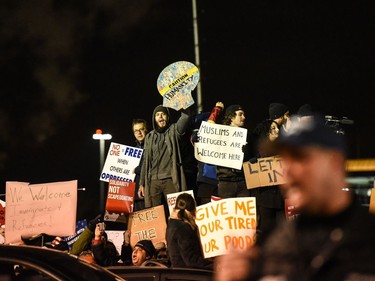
column 70, row 67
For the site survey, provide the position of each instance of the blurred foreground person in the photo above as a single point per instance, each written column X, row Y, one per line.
column 332, row 238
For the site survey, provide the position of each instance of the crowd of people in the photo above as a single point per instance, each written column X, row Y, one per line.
column 331, row 239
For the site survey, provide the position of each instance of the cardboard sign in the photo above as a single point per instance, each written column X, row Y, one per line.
column 220, row 145
column 120, row 200
column 40, row 208
column 176, row 82
column 2, row 212
column 117, row 238
column 226, row 224
column 120, row 162
column 265, row 172
column 148, row 224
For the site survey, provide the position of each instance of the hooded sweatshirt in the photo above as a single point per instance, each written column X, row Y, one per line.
column 161, row 153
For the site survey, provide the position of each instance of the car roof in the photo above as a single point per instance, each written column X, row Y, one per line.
column 54, row 262
column 157, row 273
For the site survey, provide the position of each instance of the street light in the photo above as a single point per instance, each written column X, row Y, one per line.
column 102, row 138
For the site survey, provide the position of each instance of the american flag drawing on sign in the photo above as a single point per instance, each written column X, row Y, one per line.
column 80, row 227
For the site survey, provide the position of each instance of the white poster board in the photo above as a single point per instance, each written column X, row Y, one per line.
column 220, row 145
column 171, row 198
column 40, row 208
column 120, row 162
column 226, row 224
column 116, row 237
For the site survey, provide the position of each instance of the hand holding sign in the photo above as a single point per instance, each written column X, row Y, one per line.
column 176, row 82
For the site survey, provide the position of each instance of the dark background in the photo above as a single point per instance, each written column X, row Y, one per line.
column 70, row 67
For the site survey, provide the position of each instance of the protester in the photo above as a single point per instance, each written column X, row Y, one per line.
column 207, row 182
column 184, row 247
column 232, row 181
column 84, row 240
column 280, row 114
column 143, row 251
column 140, row 130
column 162, row 172
column 269, row 199
column 104, row 251
column 332, row 238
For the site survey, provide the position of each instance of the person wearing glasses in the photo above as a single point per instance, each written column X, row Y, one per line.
column 140, row 130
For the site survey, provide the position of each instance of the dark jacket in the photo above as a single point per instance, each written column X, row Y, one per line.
column 184, row 248
column 105, row 252
column 338, row 247
column 171, row 135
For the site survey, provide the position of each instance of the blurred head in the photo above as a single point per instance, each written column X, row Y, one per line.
column 142, row 251
column 140, row 129
column 234, row 116
column 314, row 159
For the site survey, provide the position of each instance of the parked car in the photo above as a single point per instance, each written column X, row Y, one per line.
column 160, row 273
column 39, row 263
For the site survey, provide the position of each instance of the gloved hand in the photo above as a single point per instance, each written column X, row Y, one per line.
column 92, row 223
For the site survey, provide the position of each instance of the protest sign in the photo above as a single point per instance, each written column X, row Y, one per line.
column 120, row 200
column 226, row 224
column 117, row 238
column 148, row 224
column 38, row 208
column 176, row 82
column 120, row 162
column 266, row 171
column 2, row 212
column 220, row 145
column 171, row 198
column 80, row 227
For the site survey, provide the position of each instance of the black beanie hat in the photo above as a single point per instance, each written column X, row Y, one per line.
column 147, row 246
column 233, row 108
column 161, row 108
column 276, row 110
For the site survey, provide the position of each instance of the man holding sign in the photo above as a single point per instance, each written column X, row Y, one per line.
column 161, row 172
column 232, row 181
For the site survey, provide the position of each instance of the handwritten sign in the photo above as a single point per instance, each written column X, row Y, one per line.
column 176, row 82
column 226, row 224
column 117, row 238
column 171, row 199
column 265, row 172
column 148, row 224
column 39, row 208
column 220, row 145
column 120, row 200
column 120, row 162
